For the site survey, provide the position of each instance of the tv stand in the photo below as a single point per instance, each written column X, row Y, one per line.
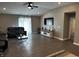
column 47, row 33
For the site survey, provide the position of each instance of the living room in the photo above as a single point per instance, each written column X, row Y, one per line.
column 38, row 33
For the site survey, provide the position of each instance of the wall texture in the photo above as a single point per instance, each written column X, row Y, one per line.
column 58, row 15
column 7, row 21
column 12, row 21
column 36, row 23
column 76, row 39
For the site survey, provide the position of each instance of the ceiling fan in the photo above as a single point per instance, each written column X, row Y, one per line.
column 30, row 5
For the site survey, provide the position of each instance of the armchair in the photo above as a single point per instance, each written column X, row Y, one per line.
column 3, row 43
column 14, row 32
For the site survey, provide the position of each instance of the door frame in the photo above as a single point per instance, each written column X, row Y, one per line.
column 66, row 23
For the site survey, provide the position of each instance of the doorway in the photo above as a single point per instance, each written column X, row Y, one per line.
column 69, row 25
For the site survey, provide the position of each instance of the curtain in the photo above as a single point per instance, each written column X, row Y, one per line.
column 26, row 23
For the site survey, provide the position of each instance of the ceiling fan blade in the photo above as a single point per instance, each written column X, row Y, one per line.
column 35, row 6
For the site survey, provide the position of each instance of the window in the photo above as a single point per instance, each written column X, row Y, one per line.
column 26, row 23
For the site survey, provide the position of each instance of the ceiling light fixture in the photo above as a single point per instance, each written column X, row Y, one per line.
column 4, row 8
column 29, row 6
column 59, row 3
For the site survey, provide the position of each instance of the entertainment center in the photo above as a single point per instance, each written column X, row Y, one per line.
column 48, row 30
column 47, row 33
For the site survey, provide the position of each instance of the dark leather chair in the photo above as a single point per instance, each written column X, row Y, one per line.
column 3, row 45
column 14, row 32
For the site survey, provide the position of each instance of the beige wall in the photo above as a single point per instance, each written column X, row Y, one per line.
column 35, row 23
column 59, row 20
column 58, row 15
column 7, row 21
column 76, row 39
column 12, row 20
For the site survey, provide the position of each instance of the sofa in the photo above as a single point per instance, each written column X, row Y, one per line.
column 14, row 32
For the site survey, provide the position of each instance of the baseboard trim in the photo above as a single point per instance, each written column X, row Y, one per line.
column 56, row 53
column 59, row 38
column 76, row 43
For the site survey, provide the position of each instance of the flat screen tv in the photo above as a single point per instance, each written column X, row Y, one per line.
column 49, row 21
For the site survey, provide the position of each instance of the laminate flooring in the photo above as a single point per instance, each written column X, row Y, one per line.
column 38, row 46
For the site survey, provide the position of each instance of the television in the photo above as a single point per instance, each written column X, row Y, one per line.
column 49, row 21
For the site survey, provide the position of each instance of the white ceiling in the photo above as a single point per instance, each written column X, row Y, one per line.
column 20, row 9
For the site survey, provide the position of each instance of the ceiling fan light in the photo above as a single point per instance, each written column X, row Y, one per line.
column 29, row 7
column 31, row 4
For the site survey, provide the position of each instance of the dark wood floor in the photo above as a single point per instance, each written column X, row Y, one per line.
column 39, row 46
